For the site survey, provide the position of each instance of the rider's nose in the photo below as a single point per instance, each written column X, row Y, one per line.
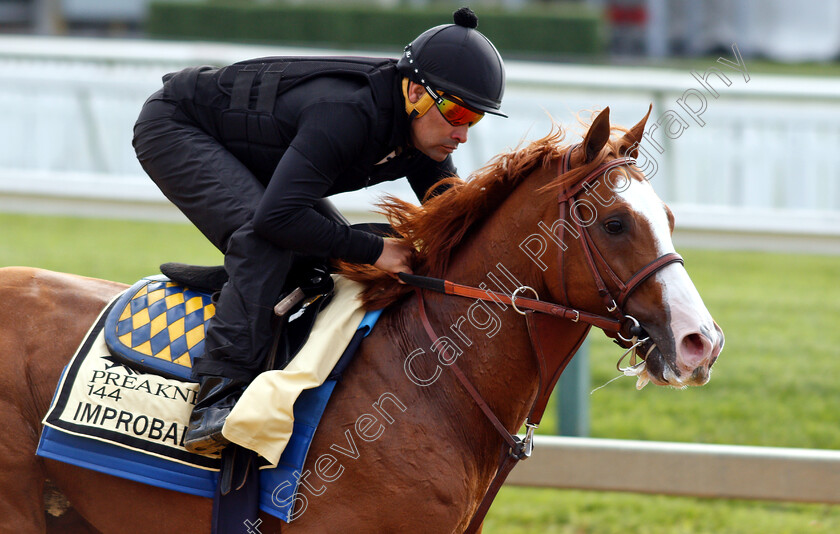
column 459, row 133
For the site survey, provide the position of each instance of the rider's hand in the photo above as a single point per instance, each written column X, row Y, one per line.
column 395, row 257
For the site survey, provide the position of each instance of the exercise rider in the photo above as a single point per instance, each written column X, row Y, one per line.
column 249, row 151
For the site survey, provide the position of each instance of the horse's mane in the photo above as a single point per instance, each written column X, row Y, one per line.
column 441, row 224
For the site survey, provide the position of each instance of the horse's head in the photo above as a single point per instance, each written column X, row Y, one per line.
column 616, row 258
column 612, row 254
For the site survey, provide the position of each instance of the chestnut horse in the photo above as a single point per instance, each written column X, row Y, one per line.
column 402, row 447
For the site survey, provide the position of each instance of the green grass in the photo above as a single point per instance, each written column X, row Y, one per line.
column 124, row 251
column 530, row 511
column 776, row 383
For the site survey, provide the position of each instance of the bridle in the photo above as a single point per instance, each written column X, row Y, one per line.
column 614, row 304
column 541, row 317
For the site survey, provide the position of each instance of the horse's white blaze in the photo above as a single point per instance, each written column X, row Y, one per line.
column 697, row 338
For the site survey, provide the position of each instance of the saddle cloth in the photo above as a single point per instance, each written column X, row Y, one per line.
column 128, row 419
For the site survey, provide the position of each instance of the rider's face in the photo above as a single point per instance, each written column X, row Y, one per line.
column 431, row 134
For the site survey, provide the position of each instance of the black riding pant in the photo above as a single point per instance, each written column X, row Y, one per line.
column 219, row 195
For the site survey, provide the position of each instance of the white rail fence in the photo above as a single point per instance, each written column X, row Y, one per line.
column 762, row 168
column 688, row 469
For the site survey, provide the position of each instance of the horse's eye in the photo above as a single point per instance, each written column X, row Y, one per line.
column 613, row 227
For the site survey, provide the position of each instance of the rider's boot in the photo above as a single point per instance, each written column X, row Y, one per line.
column 215, row 400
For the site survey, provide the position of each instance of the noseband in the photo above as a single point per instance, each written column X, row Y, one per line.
column 549, row 364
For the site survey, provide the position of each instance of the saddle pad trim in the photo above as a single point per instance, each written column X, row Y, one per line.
column 126, row 463
column 279, row 485
column 275, row 496
column 369, row 320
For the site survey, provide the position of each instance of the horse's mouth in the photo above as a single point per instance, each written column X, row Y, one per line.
column 659, row 370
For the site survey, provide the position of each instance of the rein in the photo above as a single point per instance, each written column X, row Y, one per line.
column 541, row 318
column 518, row 303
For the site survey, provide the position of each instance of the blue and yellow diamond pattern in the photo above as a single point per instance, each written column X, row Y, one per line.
column 165, row 320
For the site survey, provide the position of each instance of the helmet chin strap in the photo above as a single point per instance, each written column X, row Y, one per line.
column 419, row 108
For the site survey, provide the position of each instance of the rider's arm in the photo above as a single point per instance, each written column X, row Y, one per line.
column 330, row 137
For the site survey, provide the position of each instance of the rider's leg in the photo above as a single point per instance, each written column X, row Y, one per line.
column 219, row 195
column 239, row 336
column 216, row 192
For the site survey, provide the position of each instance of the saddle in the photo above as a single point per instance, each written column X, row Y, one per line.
column 158, row 325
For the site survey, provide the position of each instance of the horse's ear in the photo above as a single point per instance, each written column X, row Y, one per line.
column 597, row 136
column 630, row 142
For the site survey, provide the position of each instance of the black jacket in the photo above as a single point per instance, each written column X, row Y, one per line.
column 308, row 128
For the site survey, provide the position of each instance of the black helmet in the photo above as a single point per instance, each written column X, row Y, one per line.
column 459, row 60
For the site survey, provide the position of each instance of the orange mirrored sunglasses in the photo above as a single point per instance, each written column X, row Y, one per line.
column 454, row 111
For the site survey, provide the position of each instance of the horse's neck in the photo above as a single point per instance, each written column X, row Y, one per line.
column 493, row 345
column 497, row 356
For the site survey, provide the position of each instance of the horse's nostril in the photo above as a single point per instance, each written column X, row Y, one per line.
column 693, row 351
column 693, row 344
